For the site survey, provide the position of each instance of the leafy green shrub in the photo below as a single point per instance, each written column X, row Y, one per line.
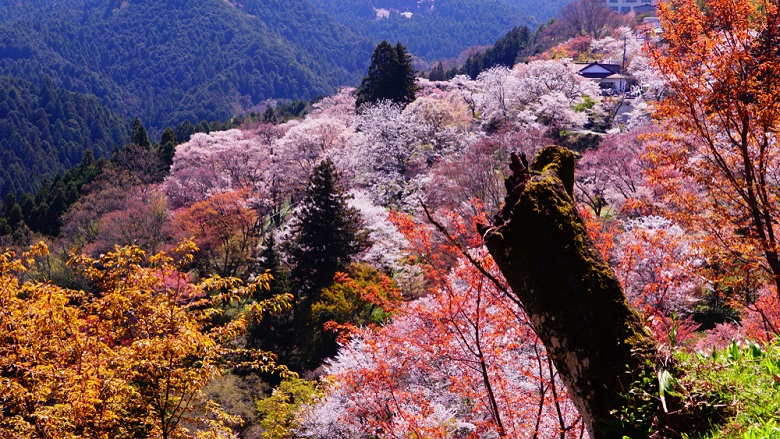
column 278, row 412
column 743, row 382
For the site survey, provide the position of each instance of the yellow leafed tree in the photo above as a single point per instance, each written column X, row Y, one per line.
column 127, row 360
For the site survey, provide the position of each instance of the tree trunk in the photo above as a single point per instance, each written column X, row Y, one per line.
column 597, row 342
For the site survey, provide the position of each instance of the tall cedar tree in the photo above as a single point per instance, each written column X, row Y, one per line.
column 438, row 74
column 272, row 331
column 390, row 76
column 139, row 136
column 503, row 53
column 327, row 235
column 271, row 262
column 12, row 214
column 167, row 148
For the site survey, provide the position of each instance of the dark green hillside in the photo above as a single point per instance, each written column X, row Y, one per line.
column 505, row 52
column 45, row 130
column 541, row 10
column 167, row 61
column 431, row 33
column 327, row 45
column 15, row 9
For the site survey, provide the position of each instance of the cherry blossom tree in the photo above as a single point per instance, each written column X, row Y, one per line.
column 540, row 92
column 554, row 110
column 621, row 43
column 340, row 105
column 142, row 221
column 467, row 88
column 472, row 180
column 390, row 150
column 305, row 144
column 539, row 78
column 612, row 174
column 649, row 79
column 448, row 118
column 115, row 210
column 388, row 246
column 221, row 161
column 499, row 92
column 461, row 362
column 640, row 116
column 657, row 266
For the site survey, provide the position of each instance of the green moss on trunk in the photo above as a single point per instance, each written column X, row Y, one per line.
column 598, row 343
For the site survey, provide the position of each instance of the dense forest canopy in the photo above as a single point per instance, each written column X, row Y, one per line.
column 45, row 130
column 434, row 31
column 541, row 10
column 170, row 61
column 167, row 62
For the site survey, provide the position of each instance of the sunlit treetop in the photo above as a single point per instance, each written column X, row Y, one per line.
column 127, row 359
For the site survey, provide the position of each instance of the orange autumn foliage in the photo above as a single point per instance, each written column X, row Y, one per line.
column 225, row 229
column 129, row 359
column 716, row 166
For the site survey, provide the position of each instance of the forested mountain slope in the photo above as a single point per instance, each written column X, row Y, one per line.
column 436, row 29
column 44, row 130
column 541, row 10
column 167, row 61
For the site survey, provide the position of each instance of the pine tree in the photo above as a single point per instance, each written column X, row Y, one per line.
column 139, row 136
column 390, row 76
column 437, row 74
column 167, row 147
column 327, row 235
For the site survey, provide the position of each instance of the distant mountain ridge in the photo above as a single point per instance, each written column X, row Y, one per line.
column 167, row 61
column 162, row 60
column 436, row 29
column 538, row 10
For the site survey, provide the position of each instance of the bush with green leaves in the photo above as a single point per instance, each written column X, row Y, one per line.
column 742, row 381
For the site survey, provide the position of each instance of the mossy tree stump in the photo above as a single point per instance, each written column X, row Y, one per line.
column 597, row 342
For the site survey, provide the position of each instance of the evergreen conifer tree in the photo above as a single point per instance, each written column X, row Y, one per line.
column 271, row 262
column 167, row 147
column 390, row 76
column 273, row 332
column 139, row 136
column 12, row 213
column 327, row 235
column 269, row 115
column 184, row 131
column 437, row 74
column 406, row 87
